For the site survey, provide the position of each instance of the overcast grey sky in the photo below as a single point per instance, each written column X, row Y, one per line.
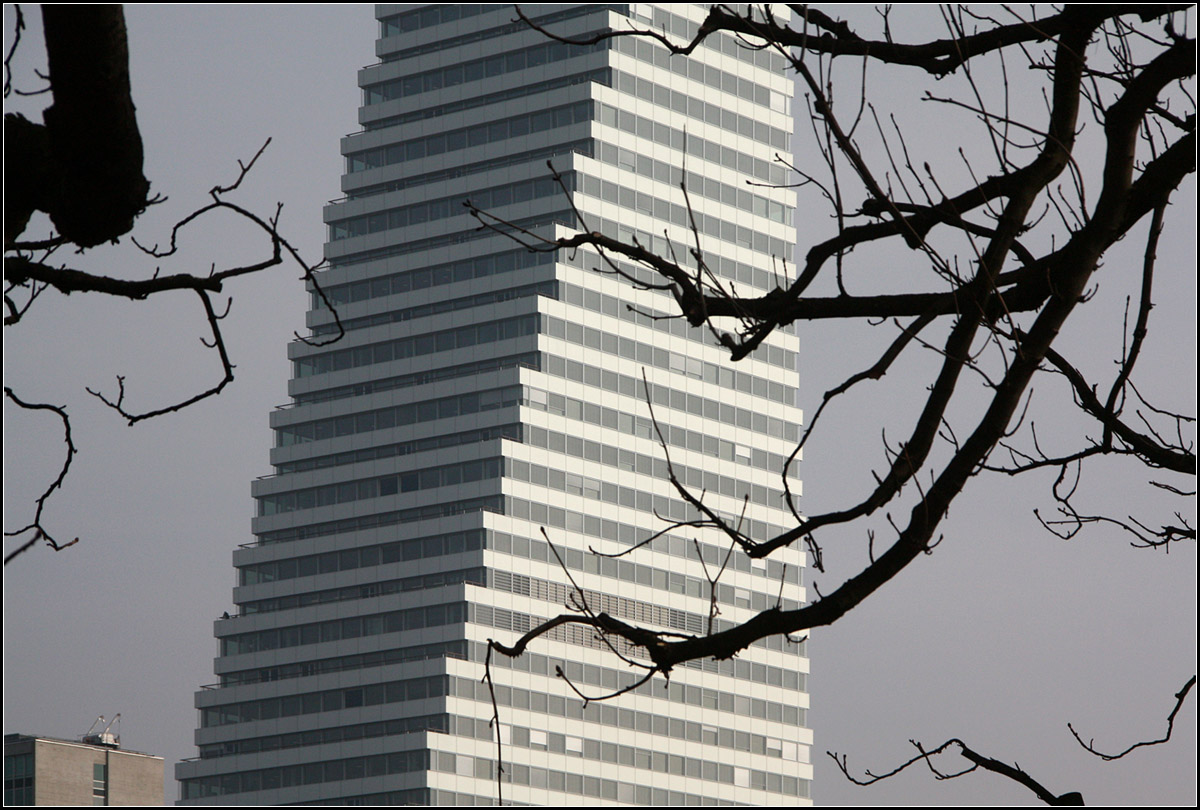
column 1000, row 637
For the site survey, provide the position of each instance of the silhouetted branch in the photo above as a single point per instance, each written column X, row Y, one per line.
column 1048, row 286
column 53, row 168
column 19, row 270
column 1180, row 697
column 495, row 723
column 35, row 526
column 977, row 761
column 218, row 343
column 993, row 299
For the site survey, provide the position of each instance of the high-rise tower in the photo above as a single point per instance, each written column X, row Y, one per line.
column 483, row 391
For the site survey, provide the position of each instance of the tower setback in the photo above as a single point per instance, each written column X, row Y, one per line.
column 444, row 471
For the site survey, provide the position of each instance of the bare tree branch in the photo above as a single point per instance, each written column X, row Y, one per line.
column 1048, row 286
column 35, row 526
column 53, row 168
column 977, row 761
column 1180, row 697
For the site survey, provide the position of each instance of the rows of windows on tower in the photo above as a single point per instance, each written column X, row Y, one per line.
column 487, row 444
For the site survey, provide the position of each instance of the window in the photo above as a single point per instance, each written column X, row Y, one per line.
column 99, row 784
column 18, row 780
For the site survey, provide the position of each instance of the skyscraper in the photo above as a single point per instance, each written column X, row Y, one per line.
column 485, row 393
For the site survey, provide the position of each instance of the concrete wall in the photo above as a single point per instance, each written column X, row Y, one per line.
column 134, row 779
column 62, row 773
column 63, row 770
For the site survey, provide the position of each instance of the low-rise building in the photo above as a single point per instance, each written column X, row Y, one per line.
column 48, row 771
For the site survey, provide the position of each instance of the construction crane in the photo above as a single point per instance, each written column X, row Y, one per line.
column 105, row 736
